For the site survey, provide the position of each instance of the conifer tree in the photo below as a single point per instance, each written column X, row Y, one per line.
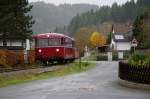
column 15, row 20
column 141, row 30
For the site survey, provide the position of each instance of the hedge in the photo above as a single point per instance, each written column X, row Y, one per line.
column 14, row 58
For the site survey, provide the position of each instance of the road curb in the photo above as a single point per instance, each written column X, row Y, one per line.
column 133, row 84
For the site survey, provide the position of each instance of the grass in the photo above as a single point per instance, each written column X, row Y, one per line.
column 75, row 67
column 92, row 57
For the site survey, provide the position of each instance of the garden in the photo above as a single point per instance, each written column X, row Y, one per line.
column 136, row 69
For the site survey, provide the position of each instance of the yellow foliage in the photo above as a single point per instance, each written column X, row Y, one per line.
column 97, row 39
column 82, row 37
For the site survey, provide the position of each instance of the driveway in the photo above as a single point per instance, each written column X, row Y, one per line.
column 100, row 82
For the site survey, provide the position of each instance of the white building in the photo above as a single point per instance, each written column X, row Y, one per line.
column 12, row 44
column 120, row 42
column 121, row 37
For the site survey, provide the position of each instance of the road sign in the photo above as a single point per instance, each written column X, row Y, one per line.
column 134, row 43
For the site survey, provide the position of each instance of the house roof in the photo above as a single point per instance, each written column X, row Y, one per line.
column 122, row 27
column 121, row 37
column 122, row 32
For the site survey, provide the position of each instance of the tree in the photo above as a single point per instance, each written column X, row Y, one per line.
column 109, row 37
column 143, row 2
column 115, row 13
column 14, row 19
column 97, row 39
column 141, row 30
column 82, row 37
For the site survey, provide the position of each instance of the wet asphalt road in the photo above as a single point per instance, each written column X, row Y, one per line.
column 97, row 83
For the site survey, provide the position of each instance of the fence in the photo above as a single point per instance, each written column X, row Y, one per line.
column 138, row 74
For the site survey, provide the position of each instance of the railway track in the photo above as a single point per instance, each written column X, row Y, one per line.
column 3, row 70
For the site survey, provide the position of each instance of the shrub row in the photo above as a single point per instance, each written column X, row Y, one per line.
column 104, row 57
column 13, row 58
column 139, row 59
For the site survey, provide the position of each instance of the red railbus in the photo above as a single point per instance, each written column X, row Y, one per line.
column 50, row 47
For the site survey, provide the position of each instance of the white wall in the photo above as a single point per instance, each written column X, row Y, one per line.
column 14, row 43
column 123, row 46
column 28, row 44
column 120, row 45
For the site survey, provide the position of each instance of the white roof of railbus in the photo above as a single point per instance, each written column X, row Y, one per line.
column 50, row 35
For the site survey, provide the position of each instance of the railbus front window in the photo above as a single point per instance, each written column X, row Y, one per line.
column 54, row 41
column 42, row 42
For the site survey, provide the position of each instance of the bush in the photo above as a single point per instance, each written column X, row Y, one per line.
column 31, row 57
column 115, row 55
column 2, row 57
column 101, row 57
column 139, row 59
column 14, row 58
column 126, row 55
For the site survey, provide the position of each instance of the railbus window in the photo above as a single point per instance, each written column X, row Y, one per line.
column 54, row 41
column 68, row 42
column 42, row 42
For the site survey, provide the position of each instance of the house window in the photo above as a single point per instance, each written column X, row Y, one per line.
column 120, row 37
column 14, row 43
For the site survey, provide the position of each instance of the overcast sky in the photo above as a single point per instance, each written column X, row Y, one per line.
column 97, row 2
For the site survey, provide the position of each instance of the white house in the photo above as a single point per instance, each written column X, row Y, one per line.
column 11, row 43
column 120, row 43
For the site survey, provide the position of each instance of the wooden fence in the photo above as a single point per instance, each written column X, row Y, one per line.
column 137, row 74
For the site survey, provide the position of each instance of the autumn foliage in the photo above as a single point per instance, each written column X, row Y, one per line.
column 97, row 39
column 13, row 58
column 31, row 56
column 2, row 57
column 82, row 37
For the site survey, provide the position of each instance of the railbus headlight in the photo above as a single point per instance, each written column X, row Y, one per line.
column 57, row 50
column 39, row 50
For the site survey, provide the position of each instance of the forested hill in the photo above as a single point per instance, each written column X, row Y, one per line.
column 48, row 16
column 117, row 14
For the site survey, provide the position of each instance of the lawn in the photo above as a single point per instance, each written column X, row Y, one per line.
column 71, row 68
